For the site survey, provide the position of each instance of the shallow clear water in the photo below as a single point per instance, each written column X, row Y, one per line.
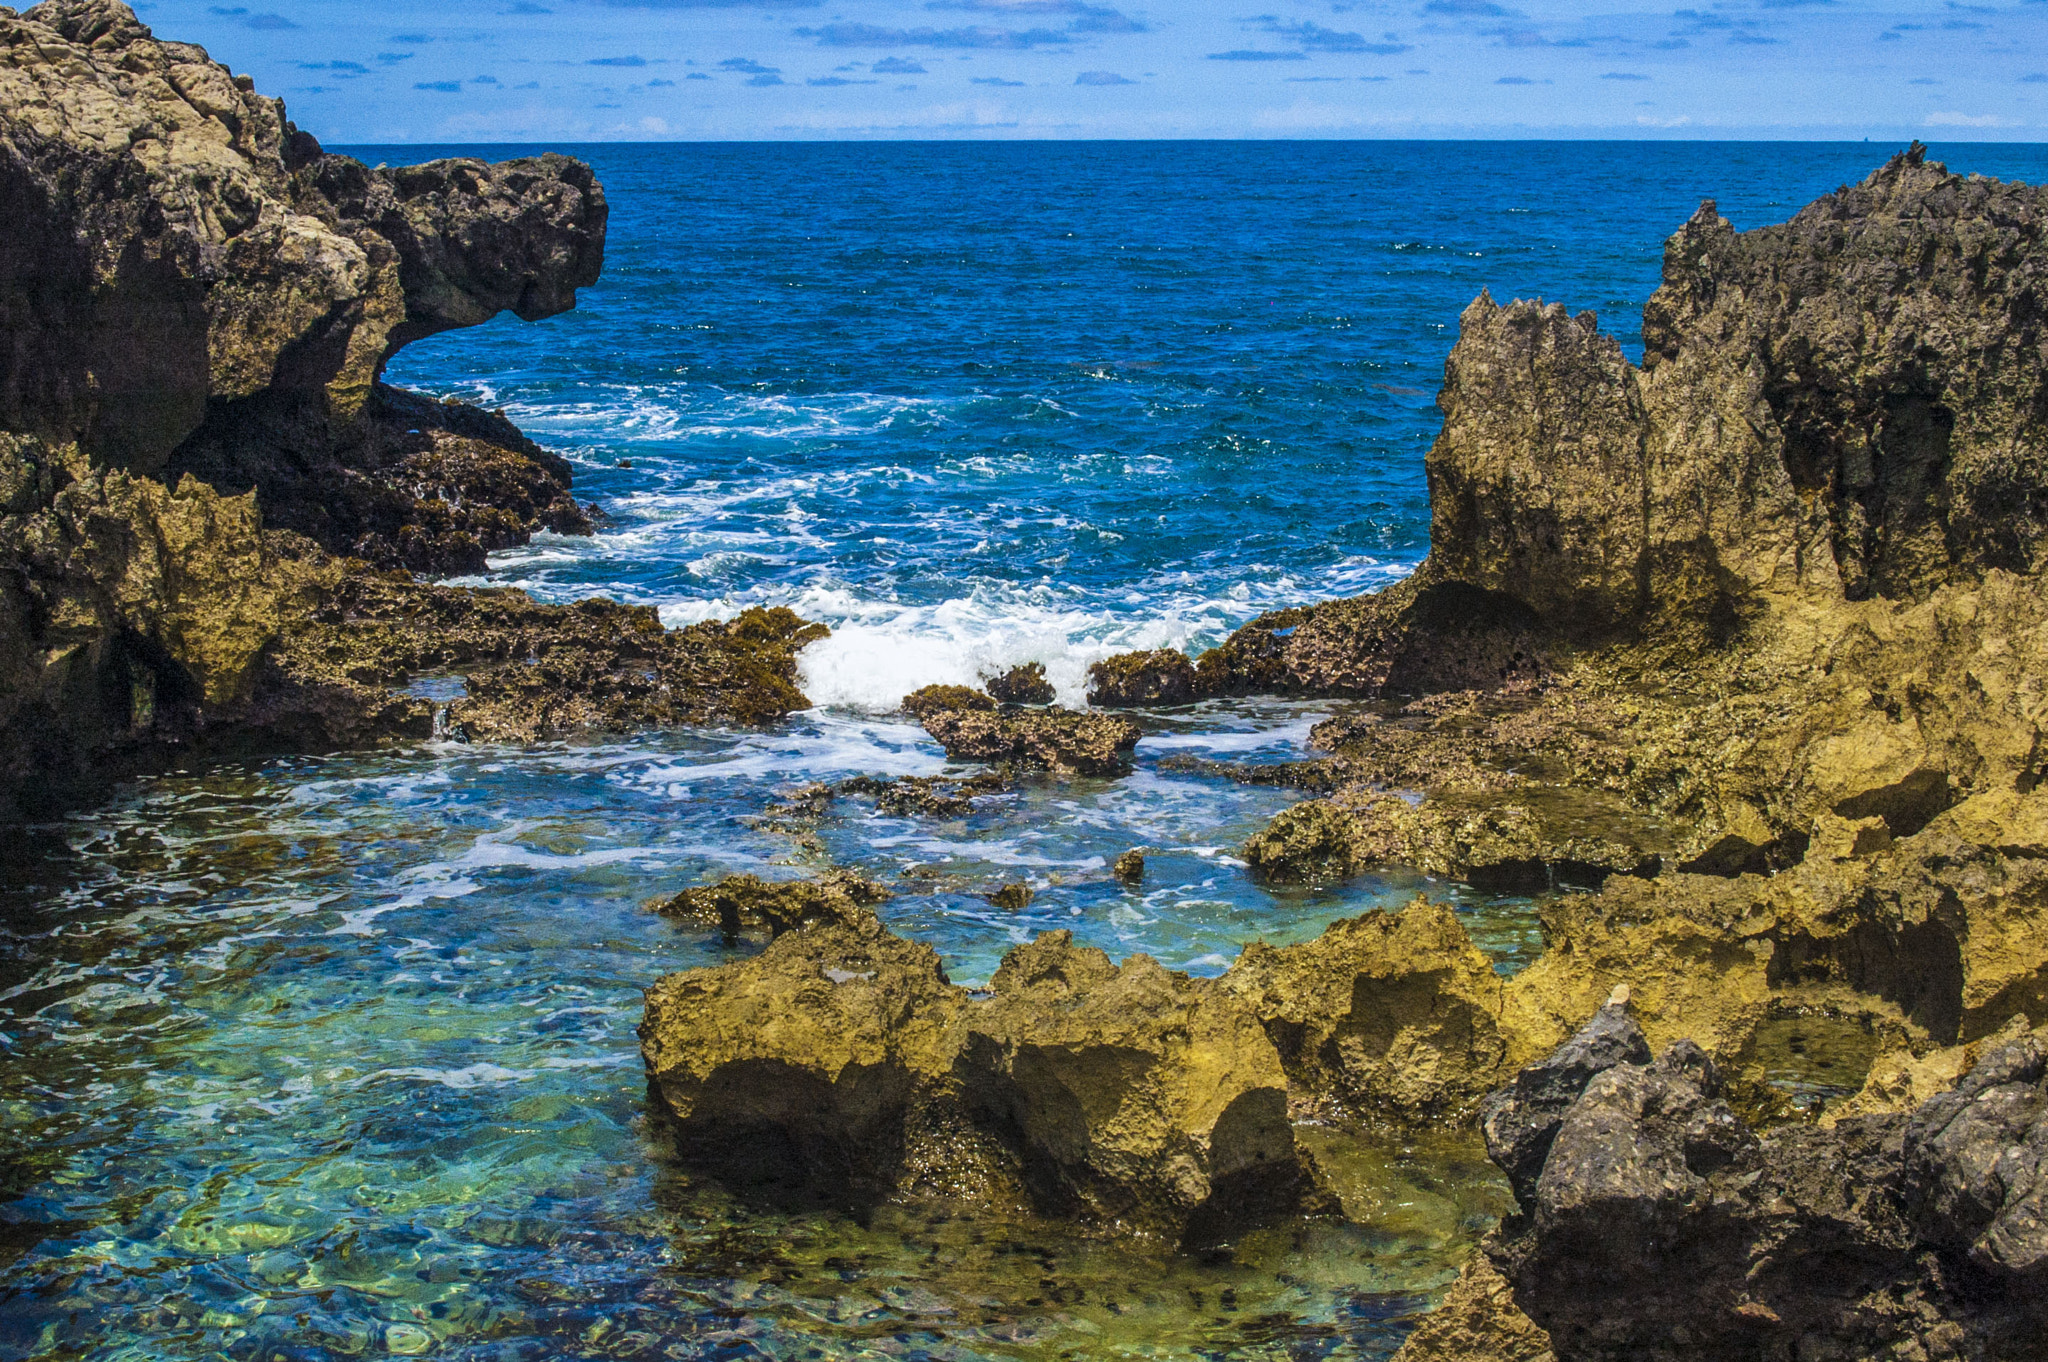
column 335, row 1057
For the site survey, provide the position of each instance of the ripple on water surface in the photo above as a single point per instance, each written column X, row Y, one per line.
column 327, row 1058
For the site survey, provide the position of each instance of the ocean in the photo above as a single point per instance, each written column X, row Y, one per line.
column 333, row 1057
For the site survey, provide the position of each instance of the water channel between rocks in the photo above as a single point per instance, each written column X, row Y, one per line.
column 337, row 1057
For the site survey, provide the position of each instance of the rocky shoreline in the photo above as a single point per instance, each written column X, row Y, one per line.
column 212, row 505
column 1741, row 645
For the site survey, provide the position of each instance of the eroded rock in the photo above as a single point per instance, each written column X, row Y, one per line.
column 1025, row 684
column 841, row 1060
column 1388, row 1013
column 740, row 903
column 1054, row 739
column 1163, row 676
column 1658, row 1225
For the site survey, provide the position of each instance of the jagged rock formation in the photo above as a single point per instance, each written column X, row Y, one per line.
column 1656, row 1224
column 195, row 454
column 176, row 250
column 1131, row 1097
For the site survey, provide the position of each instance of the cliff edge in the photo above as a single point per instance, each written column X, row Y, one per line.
column 210, row 506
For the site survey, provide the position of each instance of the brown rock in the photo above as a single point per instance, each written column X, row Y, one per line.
column 1012, row 898
column 738, row 903
column 1022, row 685
column 1163, row 676
column 1056, row 739
column 1129, row 867
column 1389, row 1013
column 929, row 700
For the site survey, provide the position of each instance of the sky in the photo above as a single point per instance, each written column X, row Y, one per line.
column 649, row 70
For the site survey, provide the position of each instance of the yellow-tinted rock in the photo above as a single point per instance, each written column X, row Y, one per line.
column 1390, row 1012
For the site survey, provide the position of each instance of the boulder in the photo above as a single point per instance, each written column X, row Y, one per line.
column 740, row 903
column 803, row 1066
column 1657, row 1224
column 1055, row 739
column 1521, row 1120
column 841, row 1062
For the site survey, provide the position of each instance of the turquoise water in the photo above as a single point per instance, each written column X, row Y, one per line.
column 334, row 1057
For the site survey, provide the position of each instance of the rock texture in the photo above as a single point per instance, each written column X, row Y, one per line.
column 1128, row 1096
column 1656, row 1224
column 201, row 473
column 1054, row 739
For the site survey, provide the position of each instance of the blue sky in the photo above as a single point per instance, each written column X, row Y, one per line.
column 519, row 70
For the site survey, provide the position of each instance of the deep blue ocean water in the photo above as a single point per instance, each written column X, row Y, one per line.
column 334, row 1057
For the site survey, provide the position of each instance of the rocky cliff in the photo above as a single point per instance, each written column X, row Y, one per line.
column 200, row 473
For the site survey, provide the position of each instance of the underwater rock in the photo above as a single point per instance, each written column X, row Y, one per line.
column 1388, row 1013
column 740, row 903
column 1478, row 1321
column 1163, row 676
column 933, row 796
column 1025, row 684
column 1660, row 1226
column 1056, row 739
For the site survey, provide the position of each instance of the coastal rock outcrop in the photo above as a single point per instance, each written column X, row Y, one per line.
column 203, row 476
column 1130, row 1097
column 1385, row 1014
column 1656, row 1224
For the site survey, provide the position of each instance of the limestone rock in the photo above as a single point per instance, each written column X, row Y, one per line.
column 1025, row 684
column 1055, row 739
column 740, row 903
column 808, row 1058
column 1388, row 1013
column 1163, row 676
column 1138, row 1096
column 1478, row 1321
column 929, row 700
column 842, row 1061
column 174, row 247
